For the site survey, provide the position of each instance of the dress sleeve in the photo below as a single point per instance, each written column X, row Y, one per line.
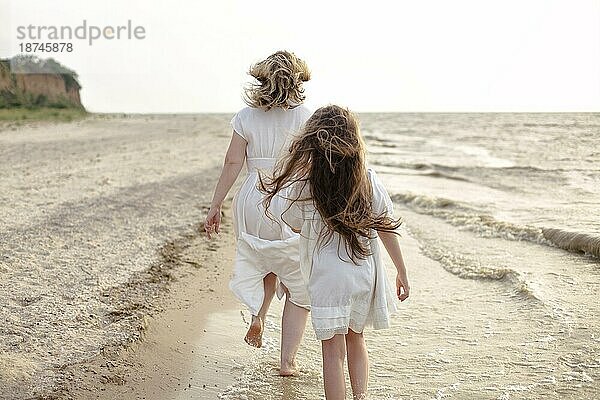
column 382, row 203
column 236, row 124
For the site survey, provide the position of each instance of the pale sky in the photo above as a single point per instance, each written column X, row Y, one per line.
column 459, row 55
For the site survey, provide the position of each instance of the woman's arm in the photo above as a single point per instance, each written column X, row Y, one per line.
column 234, row 161
column 390, row 241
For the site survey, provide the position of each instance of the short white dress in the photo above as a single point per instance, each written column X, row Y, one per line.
column 343, row 295
column 264, row 245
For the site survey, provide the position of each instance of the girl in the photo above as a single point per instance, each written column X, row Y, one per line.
column 266, row 249
column 339, row 207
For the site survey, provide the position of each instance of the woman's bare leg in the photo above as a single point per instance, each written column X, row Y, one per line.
column 358, row 364
column 292, row 329
column 334, row 352
column 255, row 331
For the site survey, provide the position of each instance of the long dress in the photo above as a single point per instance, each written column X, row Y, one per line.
column 265, row 245
column 343, row 295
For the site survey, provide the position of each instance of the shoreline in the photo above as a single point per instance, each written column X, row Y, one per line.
column 176, row 352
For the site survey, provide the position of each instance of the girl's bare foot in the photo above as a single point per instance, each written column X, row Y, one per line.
column 288, row 369
column 255, row 331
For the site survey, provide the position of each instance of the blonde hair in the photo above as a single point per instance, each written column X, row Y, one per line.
column 280, row 77
column 329, row 157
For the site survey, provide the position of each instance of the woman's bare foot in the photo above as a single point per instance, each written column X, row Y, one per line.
column 288, row 369
column 255, row 331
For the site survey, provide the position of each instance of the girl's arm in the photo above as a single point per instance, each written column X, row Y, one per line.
column 234, row 161
column 390, row 241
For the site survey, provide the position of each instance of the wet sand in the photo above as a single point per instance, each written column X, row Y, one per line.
column 183, row 352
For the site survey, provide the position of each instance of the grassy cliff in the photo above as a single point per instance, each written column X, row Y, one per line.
column 32, row 88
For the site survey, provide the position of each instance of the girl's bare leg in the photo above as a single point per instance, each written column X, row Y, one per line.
column 358, row 364
column 334, row 353
column 292, row 329
column 255, row 331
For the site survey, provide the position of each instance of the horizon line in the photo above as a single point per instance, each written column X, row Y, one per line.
column 355, row 111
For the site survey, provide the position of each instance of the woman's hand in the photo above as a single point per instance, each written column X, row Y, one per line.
column 213, row 221
column 402, row 288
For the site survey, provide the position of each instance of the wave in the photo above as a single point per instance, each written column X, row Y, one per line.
column 466, row 268
column 487, row 226
column 522, row 179
column 515, row 168
column 573, row 241
column 546, row 125
column 558, row 125
column 440, row 174
column 382, row 142
column 427, row 170
column 464, row 216
column 415, row 166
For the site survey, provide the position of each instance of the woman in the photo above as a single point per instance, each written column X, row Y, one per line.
column 267, row 249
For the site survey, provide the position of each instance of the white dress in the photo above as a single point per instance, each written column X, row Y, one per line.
column 264, row 245
column 343, row 295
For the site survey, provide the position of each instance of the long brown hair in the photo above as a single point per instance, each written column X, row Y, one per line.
column 280, row 77
column 329, row 157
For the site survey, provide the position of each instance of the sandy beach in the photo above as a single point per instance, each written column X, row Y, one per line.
column 91, row 213
column 110, row 289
